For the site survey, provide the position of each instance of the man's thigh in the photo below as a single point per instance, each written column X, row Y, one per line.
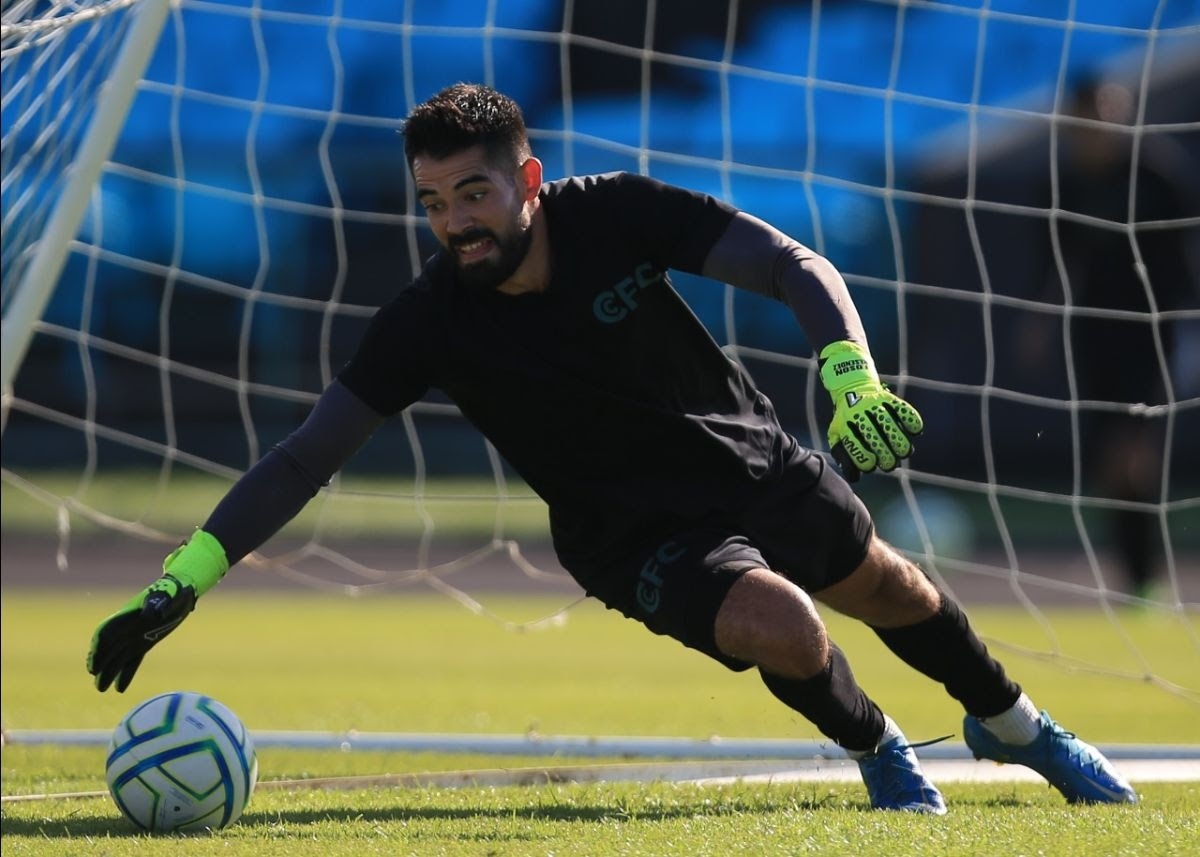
column 810, row 526
column 675, row 584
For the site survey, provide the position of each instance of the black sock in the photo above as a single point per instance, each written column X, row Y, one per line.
column 1135, row 537
column 833, row 702
column 945, row 648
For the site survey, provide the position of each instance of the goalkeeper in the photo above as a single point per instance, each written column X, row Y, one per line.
column 675, row 495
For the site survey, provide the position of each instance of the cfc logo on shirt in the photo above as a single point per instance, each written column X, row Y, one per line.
column 614, row 304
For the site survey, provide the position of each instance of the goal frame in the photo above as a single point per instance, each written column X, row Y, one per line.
column 114, row 99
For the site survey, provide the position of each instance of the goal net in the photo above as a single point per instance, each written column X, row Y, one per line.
column 220, row 257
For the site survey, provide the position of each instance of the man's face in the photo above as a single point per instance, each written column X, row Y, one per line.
column 477, row 212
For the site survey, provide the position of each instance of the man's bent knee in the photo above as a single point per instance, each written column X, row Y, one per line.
column 770, row 622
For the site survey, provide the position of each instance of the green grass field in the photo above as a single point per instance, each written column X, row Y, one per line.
column 360, row 506
column 396, row 507
column 654, row 820
column 423, row 664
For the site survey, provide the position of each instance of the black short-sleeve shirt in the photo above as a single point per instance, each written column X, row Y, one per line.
column 604, row 392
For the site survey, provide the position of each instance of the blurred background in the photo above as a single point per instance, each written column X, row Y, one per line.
column 257, row 208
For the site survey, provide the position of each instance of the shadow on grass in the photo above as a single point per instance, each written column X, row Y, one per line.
column 573, row 813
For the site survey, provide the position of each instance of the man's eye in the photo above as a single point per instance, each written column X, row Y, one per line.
column 434, row 207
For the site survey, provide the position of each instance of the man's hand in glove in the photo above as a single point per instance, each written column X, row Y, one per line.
column 122, row 640
column 871, row 427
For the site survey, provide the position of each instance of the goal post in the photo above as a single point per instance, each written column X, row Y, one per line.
column 255, row 210
column 38, row 36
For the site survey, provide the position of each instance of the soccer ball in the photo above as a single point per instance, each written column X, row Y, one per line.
column 181, row 761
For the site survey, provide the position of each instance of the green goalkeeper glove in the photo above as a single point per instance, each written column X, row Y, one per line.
column 122, row 640
column 871, row 425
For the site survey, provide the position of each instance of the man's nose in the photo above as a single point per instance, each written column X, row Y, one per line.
column 459, row 220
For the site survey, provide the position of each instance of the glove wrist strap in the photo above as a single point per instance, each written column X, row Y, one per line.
column 199, row 563
column 846, row 365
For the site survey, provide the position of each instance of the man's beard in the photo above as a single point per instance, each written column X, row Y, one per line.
column 487, row 275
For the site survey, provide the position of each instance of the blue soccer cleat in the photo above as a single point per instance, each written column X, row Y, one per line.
column 894, row 780
column 1074, row 767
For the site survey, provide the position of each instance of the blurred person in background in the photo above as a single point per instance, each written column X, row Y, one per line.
column 1113, row 266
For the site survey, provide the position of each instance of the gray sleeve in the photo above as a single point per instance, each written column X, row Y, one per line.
column 753, row 255
column 281, row 483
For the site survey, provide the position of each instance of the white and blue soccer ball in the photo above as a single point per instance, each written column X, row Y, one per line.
column 181, row 761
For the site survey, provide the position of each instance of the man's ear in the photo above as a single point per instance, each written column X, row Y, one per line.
column 529, row 174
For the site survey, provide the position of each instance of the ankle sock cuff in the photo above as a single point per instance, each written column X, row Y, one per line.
column 1019, row 725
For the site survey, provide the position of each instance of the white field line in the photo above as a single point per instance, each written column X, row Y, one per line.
column 778, row 772
column 606, row 747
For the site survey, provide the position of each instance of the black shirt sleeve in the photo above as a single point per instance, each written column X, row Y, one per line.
column 672, row 226
column 390, row 370
column 699, row 234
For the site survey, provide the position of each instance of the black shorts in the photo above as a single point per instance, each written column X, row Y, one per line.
column 808, row 526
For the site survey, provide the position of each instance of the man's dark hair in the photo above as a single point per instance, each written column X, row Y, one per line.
column 466, row 115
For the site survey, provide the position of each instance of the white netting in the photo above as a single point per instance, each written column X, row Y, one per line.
column 55, row 58
column 257, row 209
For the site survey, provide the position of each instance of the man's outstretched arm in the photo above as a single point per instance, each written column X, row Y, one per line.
column 871, row 427
column 267, row 496
column 274, row 490
column 753, row 255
